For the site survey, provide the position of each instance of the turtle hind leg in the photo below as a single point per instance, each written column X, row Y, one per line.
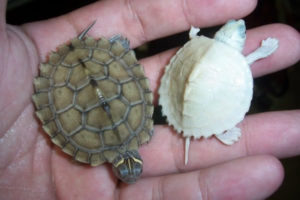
column 230, row 136
column 267, row 47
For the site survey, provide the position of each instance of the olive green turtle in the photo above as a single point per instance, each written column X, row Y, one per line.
column 94, row 102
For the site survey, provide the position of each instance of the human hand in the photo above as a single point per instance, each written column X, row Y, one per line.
column 32, row 168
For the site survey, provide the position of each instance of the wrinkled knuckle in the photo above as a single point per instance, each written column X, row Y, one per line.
column 203, row 188
column 138, row 20
column 246, row 134
column 157, row 192
column 178, row 160
column 186, row 9
column 179, row 163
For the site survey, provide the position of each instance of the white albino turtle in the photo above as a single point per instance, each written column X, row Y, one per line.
column 207, row 87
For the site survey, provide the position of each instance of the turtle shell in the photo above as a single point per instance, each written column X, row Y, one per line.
column 206, row 88
column 93, row 99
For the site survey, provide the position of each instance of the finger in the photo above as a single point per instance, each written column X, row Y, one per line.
column 138, row 20
column 73, row 180
column 287, row 54
column 275, row 133
column 248, row 178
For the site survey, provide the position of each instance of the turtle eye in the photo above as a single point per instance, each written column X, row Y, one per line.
column 242, row 30
column 129, row 169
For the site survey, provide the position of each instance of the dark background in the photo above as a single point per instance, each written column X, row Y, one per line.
column 277, row 91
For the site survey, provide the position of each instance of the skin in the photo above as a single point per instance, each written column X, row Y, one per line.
column 33, row 168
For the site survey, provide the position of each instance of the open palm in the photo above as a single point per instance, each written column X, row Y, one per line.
column 32, row 168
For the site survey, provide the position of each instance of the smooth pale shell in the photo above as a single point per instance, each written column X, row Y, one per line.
column 206, row 88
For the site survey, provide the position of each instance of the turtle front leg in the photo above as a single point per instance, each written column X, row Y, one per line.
column 267, row 47
column 193, row 32
column 230, row 136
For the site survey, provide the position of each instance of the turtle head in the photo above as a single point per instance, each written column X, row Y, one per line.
column 233, row 33
column 128, row 166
